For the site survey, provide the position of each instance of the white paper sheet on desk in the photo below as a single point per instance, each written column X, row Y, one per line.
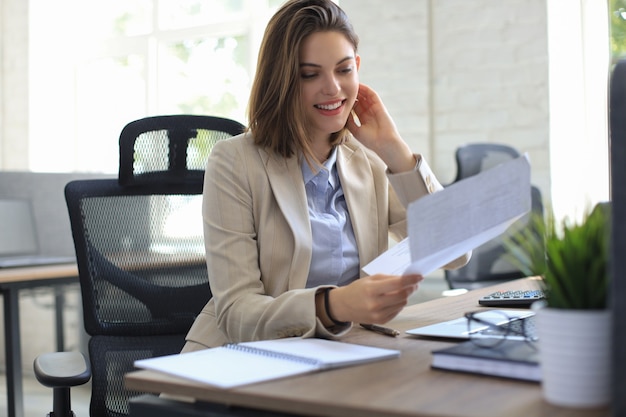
column 445, row 225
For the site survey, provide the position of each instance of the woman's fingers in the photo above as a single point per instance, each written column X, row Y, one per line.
column 384, row 284
column 374, row 299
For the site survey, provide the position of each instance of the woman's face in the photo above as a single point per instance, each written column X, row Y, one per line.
column 329, row 81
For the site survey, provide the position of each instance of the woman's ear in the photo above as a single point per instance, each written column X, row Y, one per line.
column 357, row 58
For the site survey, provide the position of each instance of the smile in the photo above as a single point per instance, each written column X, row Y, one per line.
column 332, row 106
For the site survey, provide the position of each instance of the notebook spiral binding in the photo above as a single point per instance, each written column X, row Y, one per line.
column 271, row 354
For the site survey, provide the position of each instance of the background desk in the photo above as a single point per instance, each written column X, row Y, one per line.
column 398, row 387
column 12, row 280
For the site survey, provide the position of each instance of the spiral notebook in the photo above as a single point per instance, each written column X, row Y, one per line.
column 246, row 363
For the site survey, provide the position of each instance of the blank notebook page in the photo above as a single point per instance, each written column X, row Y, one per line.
column 246, row 363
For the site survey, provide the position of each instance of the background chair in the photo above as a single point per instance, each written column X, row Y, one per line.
column 488, row 265
column 140, row 254
column 476, row 157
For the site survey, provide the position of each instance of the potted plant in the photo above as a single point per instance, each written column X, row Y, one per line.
column 574, row 321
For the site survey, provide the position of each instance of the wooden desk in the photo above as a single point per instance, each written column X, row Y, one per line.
column 399, row 387
column 12, row 280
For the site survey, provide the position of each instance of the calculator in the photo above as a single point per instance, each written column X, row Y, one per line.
column 518, row 298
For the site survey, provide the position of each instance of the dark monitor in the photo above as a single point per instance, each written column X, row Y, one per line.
column 617, row 149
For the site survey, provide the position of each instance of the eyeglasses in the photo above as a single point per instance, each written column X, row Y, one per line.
column 490, row 328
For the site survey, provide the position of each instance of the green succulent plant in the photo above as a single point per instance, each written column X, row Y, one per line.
column 571, row 257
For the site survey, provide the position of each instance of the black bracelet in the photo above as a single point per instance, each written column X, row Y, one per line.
column 327, row 307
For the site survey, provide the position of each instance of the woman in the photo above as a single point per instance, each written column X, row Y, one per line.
column 296, row 206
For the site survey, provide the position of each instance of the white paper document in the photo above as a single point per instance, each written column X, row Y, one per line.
column 444, row 225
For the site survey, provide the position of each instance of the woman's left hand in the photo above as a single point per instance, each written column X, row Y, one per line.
column 378, row 132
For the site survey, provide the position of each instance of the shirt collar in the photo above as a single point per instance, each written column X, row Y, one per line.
column 330, row 165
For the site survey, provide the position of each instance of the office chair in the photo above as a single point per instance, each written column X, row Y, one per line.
column 489, row 264
column 476, row 157
column 140, row 254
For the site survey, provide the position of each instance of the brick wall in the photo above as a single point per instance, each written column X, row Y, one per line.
column 453, row 72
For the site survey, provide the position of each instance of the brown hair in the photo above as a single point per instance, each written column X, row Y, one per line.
column 275, row 110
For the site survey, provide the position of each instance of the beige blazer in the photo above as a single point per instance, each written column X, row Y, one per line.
column 258, row 236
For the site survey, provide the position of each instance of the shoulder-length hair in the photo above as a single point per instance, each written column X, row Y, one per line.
column 276, row 114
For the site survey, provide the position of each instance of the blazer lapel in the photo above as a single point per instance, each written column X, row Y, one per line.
column 358, row 187
column 285, row 177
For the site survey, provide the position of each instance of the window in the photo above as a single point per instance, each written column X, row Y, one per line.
column 617, row 19
column 107, row 63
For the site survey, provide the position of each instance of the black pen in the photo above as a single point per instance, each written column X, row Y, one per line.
column 380, row 329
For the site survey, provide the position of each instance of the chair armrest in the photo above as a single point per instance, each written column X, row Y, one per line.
column 62, row 369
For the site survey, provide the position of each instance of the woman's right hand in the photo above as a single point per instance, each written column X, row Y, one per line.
column 378, row 132
column 375, row 299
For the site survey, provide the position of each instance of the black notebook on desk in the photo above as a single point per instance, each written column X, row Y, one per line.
column 515, row 359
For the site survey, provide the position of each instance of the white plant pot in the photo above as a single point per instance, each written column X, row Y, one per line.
column 575, row 355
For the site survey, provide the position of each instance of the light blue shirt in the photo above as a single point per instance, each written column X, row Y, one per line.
column 335, row 257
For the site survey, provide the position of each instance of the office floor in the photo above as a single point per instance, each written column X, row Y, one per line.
column 38, row 399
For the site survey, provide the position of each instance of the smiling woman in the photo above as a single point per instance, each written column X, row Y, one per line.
column 299, row 203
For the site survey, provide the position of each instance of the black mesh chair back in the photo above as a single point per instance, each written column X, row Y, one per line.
column 489, row 264
column 170, row 149
column 140, row 249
